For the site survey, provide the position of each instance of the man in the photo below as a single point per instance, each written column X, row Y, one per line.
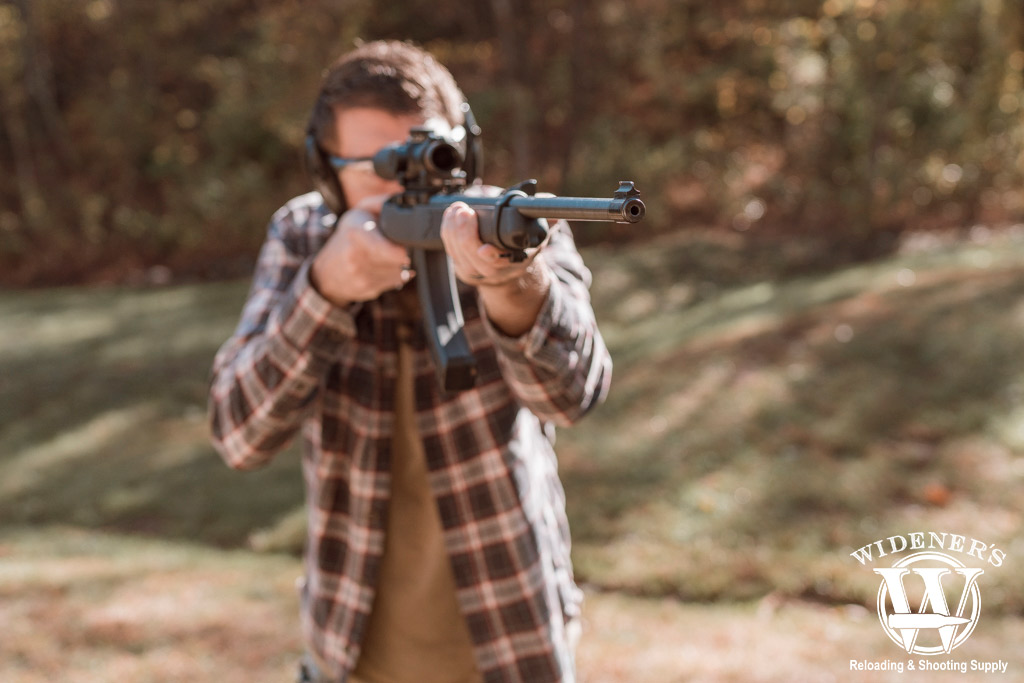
column 437, row 546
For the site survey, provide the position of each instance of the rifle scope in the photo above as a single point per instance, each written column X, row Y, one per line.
column 424, row 154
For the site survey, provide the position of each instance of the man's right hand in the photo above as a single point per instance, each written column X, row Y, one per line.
column 358, row 263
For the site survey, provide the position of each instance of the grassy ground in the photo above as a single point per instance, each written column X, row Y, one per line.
column 85, row 606
column 762, row 426
column 772, row 425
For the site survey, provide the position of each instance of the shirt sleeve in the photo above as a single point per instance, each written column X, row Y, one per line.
column 560, row 368
column 270, row 370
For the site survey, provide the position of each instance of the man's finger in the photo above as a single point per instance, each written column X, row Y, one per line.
column 375, row 247
column 373, row 203
column 460, row 233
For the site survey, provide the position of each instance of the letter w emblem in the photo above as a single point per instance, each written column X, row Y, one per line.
column 903, row 625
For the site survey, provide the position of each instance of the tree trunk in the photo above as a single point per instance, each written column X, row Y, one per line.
column 516, row 70
column 40, row 86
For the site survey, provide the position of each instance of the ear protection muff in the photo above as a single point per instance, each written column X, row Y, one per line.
column 325, row 179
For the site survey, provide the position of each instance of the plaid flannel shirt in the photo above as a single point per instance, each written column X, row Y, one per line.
column 296, row 362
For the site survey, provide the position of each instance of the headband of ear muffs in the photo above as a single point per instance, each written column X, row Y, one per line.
column 473, row 151
column 325, row 180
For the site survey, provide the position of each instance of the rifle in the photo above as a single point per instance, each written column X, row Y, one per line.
column 429, row 168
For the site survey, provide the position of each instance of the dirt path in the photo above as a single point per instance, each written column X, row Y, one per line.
column 86, row 607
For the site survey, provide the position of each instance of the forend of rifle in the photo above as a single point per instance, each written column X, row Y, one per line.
column 624, row 206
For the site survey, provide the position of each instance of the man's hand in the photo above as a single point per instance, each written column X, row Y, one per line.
column 512, row 293
column 358, row 263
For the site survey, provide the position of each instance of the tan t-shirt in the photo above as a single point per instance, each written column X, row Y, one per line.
column 416, row 632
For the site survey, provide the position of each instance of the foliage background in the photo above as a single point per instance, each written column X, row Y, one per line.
column 138, row 135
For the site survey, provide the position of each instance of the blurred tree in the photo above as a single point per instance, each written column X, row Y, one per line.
column 134, row 134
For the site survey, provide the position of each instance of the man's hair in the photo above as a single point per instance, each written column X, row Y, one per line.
column 397, row 77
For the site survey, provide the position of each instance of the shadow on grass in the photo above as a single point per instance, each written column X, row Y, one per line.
column 103, row 396
column 788, row 432
column 756, row 433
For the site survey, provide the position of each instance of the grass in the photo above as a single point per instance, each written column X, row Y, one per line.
column 759, row 433
column 86, row 606
column 90, row 606
column 104, row 416
column 762, row 426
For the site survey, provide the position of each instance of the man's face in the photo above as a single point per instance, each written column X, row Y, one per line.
column 362, row 132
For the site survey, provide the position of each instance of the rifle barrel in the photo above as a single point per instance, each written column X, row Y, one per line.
column 619, row 210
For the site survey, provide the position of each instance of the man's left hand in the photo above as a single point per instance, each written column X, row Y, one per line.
column 512, row 293
column 476, row 263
